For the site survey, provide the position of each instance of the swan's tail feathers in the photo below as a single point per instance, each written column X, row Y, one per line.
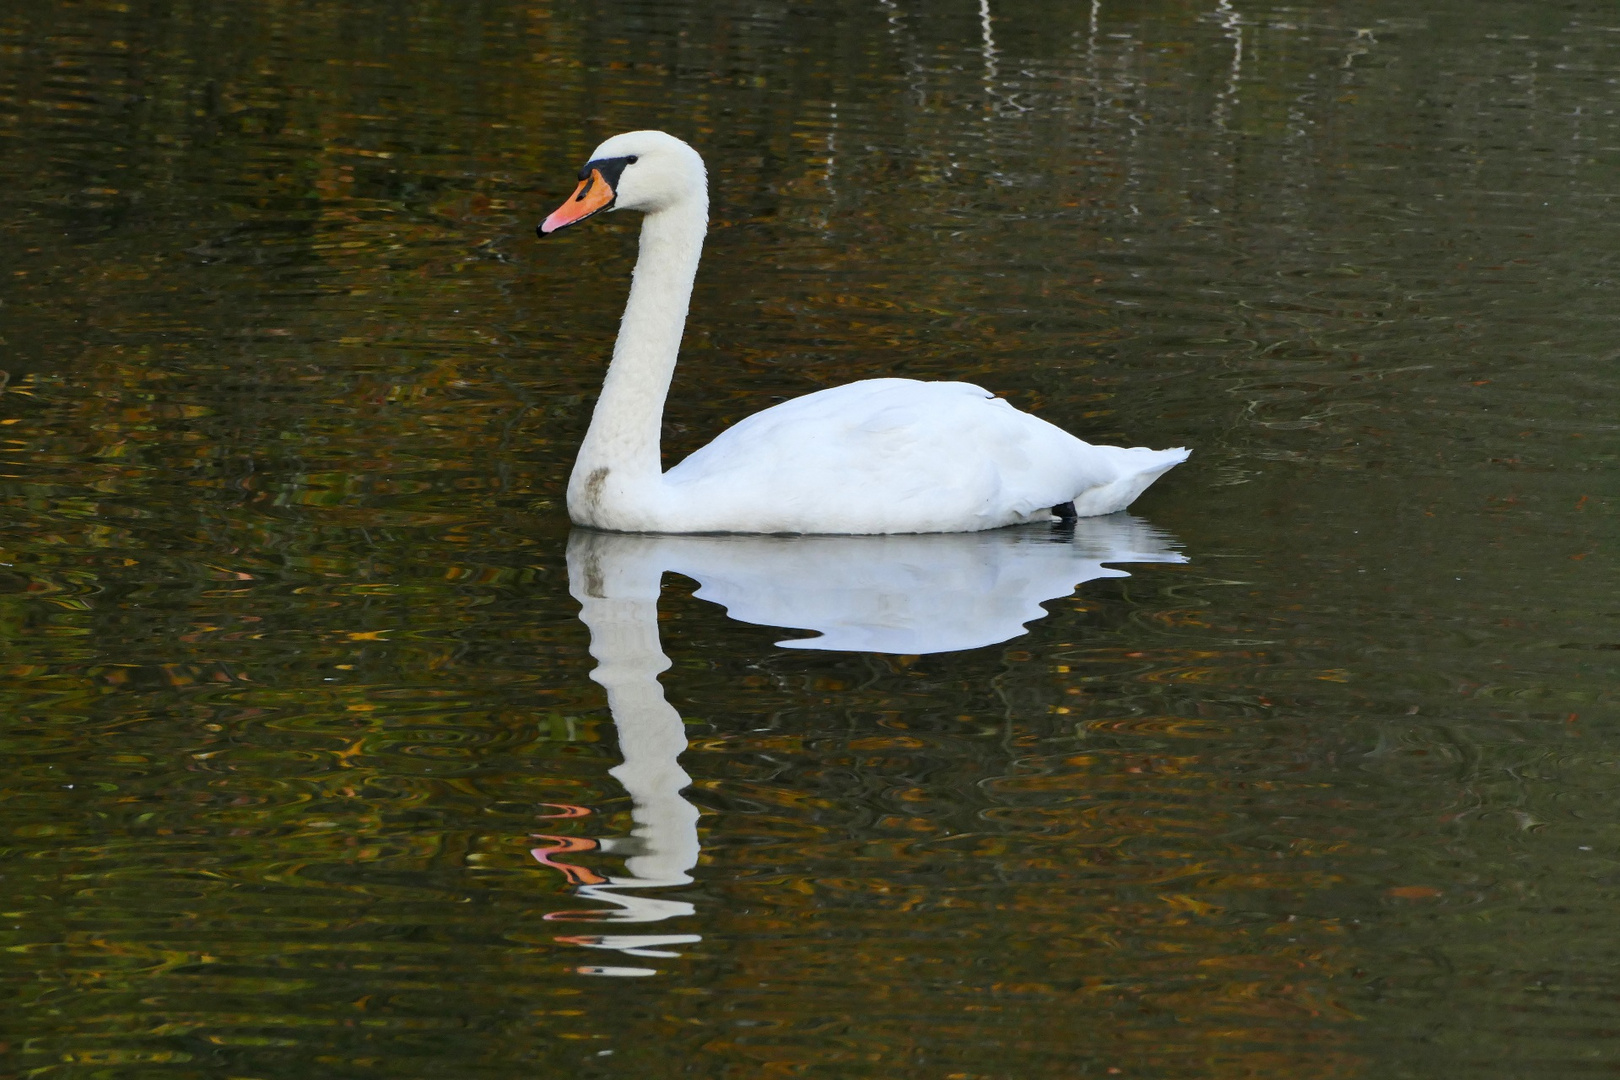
column 1137, row 468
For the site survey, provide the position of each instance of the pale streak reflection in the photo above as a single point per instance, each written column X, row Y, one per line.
column 884, row 594
column 988, row 47
column 1232, row 22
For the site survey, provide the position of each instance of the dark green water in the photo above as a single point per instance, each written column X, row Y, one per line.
column 294, row 685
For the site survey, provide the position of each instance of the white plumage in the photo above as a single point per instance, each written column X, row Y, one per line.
column 878, row 456
column 901, row 456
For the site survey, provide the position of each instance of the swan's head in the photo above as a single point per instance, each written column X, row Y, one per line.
column 639, row 170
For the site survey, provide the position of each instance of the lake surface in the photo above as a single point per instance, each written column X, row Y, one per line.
column 1308, row 768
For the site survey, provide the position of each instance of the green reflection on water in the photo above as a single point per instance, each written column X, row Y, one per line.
column 293, row 679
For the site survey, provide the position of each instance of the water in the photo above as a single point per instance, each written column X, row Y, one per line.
column 306, row 773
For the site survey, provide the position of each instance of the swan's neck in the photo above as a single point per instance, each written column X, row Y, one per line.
column 619, row 464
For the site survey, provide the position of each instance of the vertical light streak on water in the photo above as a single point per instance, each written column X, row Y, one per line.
column 830, row 176
column 896, row 21
column 988, row 47
column 1232, row 22
column 1093, row 75
column 1091, row 35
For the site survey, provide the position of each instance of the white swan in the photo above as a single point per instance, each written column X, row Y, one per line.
column 878, row 456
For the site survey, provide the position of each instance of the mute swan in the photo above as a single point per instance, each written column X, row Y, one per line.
column 877, row 456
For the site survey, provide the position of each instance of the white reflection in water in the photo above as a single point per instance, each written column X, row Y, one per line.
column 988, row 47
column 887, row 594
column 1232, row 22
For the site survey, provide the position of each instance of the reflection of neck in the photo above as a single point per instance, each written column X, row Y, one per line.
column 619, row 605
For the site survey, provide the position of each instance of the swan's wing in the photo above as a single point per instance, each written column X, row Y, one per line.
column 884, row 449
column 889, row 455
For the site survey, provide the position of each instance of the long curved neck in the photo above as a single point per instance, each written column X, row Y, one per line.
column 620, row 456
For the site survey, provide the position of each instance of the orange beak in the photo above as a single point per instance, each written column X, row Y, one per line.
column 594, row 193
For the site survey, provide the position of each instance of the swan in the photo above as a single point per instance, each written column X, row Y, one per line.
column 876, row 456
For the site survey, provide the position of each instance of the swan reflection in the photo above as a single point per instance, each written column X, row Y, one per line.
column 887, row 594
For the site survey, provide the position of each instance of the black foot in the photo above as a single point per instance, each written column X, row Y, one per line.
column 1064, row 512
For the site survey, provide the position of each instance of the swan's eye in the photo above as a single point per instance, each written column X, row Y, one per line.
column 631, row 160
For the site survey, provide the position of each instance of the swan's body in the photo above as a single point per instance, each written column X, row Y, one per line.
column 879, row 456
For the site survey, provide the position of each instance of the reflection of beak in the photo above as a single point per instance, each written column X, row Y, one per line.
column 594, row 193
column 564, row 845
